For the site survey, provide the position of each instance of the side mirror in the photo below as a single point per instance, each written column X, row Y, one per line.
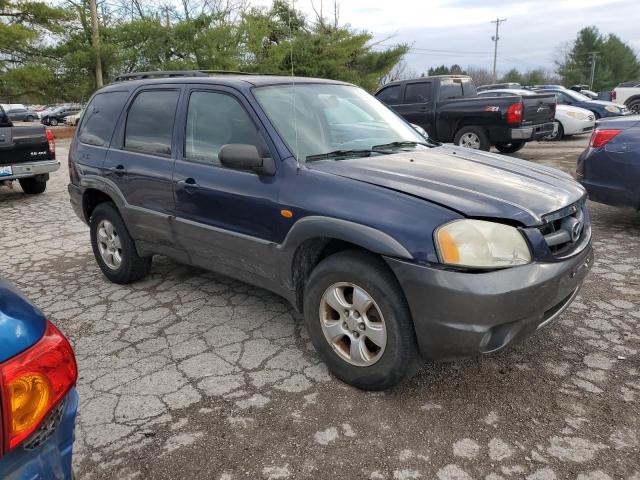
column 420, row 130
column 246, row 157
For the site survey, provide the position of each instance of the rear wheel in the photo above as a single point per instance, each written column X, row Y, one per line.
column 114, row 248
column 33, row 186
column 510, row 147
column 359, row 321
column 472, row 137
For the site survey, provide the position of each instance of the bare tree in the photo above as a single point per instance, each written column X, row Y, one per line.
column 400, row 71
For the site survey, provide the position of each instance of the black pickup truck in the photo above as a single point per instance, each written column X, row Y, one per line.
column 448, row 108
column 27, row 154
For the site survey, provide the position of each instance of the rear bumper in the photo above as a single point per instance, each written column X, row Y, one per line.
column 532, row 132
column 611, row 194
column 459, row 314
column 52, row 458
column 24, row 170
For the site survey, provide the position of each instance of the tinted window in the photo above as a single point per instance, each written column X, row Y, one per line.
column 390, row 95
column 456, row 88
column 418, row 92
column 150, row 122
column 213, row 120
column 100, row 118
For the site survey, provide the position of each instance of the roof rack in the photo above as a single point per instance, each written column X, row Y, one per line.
column 174, row 73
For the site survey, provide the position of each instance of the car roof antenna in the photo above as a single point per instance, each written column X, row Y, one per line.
column 293, row 82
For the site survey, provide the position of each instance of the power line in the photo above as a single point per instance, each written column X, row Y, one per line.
column 495, row 39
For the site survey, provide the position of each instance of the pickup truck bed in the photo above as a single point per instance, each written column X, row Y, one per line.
column 27, row 154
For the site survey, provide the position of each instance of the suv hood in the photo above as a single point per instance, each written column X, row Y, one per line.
column 476, row 184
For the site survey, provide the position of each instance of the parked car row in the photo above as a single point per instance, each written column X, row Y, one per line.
column 19, row 113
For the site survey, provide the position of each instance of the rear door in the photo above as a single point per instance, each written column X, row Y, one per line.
column 417, row 104
column 140, row 162
column 226, row 219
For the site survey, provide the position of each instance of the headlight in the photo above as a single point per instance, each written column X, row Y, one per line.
column 481, row 244
column 612, row 109
column 578, row 115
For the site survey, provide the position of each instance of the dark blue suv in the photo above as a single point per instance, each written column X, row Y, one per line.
column 394, row 247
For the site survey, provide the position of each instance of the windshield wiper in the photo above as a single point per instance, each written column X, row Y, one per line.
column 399, row 145
column 340, row 153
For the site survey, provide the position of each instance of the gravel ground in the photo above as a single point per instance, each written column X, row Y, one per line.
column 189, row 374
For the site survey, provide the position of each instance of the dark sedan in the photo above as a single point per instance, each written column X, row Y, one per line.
column 57, row 116
column 610, row 167
column 600, row 108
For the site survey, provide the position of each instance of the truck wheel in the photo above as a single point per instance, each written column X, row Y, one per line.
column 472, row 137
column 634, row 107
column 114, row 248
column 31, row 186
column 359, row 321
column 510, row 147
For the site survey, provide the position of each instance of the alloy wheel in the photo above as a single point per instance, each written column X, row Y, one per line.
column 109, row 244
column 353, row 324
column 470, row 140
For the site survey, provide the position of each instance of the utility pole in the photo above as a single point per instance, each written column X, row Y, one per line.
column 593, row 56
column 495, row 39
column 96, row 41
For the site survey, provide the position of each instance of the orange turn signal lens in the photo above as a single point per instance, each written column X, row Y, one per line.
column 448, row 248
column 286, row 213
column 28, row 401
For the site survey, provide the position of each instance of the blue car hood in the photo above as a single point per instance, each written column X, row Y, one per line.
column 21, row 323
column 474, row 183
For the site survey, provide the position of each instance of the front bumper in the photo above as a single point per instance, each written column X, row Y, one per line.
column 49, row 460
column 459, row 314
column 532, row 132
column 25, row 170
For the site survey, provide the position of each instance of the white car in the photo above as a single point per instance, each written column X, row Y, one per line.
column 627, row 93
column 73, row 120
column 569, row 120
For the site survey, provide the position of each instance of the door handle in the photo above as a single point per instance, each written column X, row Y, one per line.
column 118, row 170
column 189, row 184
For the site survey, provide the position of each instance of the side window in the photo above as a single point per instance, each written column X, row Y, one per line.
column 418, row 92
column 100, row 118
column 149, row 124
column 213, row 120
column 389, row 95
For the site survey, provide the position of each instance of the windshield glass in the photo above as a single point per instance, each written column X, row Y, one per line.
column 576, row 96
column 316, row 119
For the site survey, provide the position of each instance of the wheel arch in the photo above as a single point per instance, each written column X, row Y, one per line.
column 313, row 239
column 631, row 99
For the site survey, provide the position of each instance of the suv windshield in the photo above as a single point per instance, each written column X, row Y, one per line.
column 334, row 121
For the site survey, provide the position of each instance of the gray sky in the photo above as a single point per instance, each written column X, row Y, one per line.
column 458, row 31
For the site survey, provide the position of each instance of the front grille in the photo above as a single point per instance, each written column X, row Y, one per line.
column 565, row 230
column 46, row 429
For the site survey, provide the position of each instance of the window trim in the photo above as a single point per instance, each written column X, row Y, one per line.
column 219, row 91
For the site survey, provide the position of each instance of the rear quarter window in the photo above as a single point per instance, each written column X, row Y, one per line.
column 100, row 117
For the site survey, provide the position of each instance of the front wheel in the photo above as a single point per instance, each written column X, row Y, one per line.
column 510, row 147
column 31, row 186
column 114, row 248
column 53, row 122
column 558, row 133
column 359, row 321
column 472, row 137
column 634, row 107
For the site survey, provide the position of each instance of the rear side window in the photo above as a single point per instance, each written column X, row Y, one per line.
column 418, row 92
column 100, row 118
column 389, row 95
column 149, row 124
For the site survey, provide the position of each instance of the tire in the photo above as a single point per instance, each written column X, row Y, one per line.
column 634, row 107
column 472, row 137
column 131, row 266
column 511, row 147
column 53, row 122
column 398, row 358
column 31, row 186
column 29, row 119
column 559, row 135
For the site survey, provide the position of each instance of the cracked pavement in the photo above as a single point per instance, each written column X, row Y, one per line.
column 189, row 374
